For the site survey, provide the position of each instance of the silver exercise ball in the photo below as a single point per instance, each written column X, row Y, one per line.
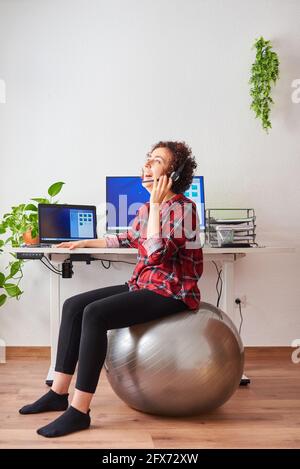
column 184, row 364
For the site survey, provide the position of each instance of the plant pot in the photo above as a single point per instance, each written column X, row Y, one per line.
column 28, row 239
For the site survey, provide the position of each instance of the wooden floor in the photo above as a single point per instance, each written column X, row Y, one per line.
column 265, row 414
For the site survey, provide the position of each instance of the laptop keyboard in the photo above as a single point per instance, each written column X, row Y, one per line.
column 38, row 245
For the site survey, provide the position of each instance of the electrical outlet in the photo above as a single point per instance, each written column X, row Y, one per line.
column 243, row 299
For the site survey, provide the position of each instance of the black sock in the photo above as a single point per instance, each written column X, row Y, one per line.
column 50, row 401
column 72, row 420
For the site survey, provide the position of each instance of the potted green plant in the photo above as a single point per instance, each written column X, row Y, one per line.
column 264, row 72
column 21, row 223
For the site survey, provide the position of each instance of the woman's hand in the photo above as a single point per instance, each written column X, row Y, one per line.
column 160, row 189
column 71, row 244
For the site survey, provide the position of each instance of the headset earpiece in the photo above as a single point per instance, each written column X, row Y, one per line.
column 175, row 175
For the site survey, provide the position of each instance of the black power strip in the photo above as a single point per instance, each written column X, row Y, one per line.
column 30, row 255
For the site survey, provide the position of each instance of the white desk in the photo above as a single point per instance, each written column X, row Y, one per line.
column 227, row 257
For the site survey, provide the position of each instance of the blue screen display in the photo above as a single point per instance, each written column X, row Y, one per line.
column 196, row 193
column 125, row 195
column 60, row 223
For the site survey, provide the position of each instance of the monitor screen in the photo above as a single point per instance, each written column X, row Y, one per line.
column 59, row 222
column 196, row 193
column 125, row 195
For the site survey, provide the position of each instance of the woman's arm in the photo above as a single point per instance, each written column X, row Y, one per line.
column 128, row 239
column 95, row 243
column 84, row 243
column 158, row 193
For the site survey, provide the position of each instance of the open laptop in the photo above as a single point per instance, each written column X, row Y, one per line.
column 64, row 222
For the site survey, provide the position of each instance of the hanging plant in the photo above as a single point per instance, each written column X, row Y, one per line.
column 264, row 71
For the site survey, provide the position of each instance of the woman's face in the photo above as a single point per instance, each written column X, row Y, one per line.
column 157, row 163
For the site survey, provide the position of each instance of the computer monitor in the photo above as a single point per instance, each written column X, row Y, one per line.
column 125, row 194
column 63, row 222
column 196, row 193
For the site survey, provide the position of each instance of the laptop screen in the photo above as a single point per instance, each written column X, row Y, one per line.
column 59, row 222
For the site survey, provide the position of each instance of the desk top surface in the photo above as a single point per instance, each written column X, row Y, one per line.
column 128, row 251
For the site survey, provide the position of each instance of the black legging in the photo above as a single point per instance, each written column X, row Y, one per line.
column 88, row 316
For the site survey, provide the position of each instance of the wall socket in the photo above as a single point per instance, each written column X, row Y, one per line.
column 243, row 299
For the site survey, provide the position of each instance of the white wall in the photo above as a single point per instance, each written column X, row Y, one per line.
column 91, row 85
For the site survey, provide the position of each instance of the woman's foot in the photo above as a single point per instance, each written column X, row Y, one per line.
column 72, row 420
column 50, row 401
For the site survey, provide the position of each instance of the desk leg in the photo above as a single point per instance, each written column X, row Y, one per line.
column 54, row 321
column 227, row 300
column 2, row 351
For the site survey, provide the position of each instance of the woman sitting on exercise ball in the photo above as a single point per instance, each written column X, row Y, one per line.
column 164, row 282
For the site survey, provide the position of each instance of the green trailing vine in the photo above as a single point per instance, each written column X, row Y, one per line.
column 264, row 72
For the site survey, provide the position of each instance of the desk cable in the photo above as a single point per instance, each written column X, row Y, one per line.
column 237, row 300
column 219, row 279
column 55, row 270
column 109, row 262
column 52, row 268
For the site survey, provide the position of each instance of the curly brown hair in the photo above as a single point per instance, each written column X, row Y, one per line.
column 182, row 153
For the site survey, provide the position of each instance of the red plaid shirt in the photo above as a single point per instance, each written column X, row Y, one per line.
column 171, row 262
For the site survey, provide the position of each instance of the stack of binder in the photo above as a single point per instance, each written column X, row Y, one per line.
column 230, row 227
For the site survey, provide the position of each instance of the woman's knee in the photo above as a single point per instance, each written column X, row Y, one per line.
column 94, row 316
column 72, row 307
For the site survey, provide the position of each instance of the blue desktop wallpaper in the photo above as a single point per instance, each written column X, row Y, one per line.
column 125, row 194
column 60, row 223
